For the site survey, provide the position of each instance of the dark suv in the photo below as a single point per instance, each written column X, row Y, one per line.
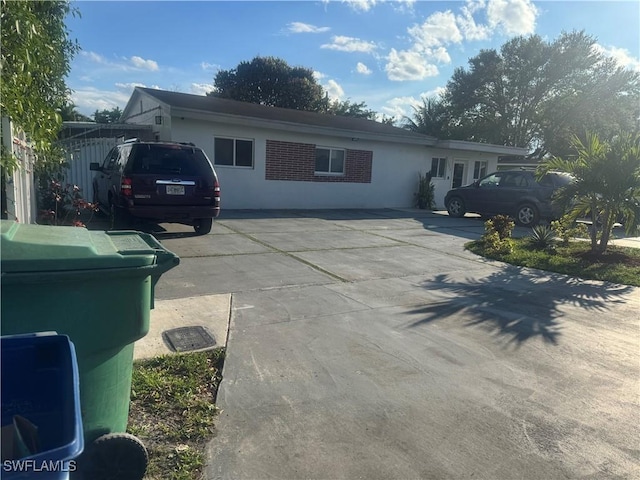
column 158, row 181
column 516, row 193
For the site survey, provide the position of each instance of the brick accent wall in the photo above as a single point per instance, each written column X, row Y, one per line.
column 296, row 162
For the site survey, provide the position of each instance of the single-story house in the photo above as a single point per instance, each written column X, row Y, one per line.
column 269, row 157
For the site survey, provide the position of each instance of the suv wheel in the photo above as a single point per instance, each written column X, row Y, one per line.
column 96, row 202
column 456, row 207
column 119, row 218
column 202, row 226
column 527, row 215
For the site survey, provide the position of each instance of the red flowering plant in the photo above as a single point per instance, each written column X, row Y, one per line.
column 62, row 204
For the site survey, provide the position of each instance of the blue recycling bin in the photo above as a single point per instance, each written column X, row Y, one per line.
column 41, row 420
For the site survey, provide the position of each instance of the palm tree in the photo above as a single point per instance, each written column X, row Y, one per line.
column 430, row 118
column 606, row 186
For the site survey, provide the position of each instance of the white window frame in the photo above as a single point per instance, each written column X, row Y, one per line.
column 441, row 170
column 235, row 159
column 480, row 174
column 329, row 172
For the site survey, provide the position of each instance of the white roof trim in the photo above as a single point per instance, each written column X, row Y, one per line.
column 481, row 147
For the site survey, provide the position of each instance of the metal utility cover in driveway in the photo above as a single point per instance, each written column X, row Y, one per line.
column 187, row 339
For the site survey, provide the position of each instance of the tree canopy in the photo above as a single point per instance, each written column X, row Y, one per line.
column 36, row 58
column 270, row 81
column 535, row 94
column 430, row 118
column 107, row 116
column 273, row 82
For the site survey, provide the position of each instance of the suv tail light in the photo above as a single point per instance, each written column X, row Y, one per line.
column 216, row 193
column 125, row 187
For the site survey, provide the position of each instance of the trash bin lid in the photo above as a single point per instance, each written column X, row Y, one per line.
column 46, row 248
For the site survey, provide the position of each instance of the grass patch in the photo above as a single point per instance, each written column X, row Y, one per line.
column 173, row 410
column 618, row 264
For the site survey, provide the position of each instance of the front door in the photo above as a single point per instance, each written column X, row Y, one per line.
column 458, row 175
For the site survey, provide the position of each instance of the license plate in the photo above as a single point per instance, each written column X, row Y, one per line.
column 175, row 189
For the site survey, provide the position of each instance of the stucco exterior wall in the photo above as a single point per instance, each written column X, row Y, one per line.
column 390, row 170
column 394, row 171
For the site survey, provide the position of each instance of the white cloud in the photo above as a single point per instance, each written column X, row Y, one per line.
column 621, row 56
column 334, row 90
column 363, row 69
column 361, row 5
column 349, row 44
column 440, row 55
column 318, row 75
column 401, row 107
column 143, row 64
column 88, row 100
column 514, row 17
column 470, row 29
column 438, row 29
column 206, row 66
column 94, row 57
column 403, row 6
column 408, row 65
column 129, row 86
column 299, row 27
column 201, row 88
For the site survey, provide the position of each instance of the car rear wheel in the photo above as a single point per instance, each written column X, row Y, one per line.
column 527, row 215
column 119, row 218
column 96, row 201
column 202, row 226
column 456, row 207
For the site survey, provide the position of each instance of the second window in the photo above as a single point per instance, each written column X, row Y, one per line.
column 329, row 161
column 233, row 152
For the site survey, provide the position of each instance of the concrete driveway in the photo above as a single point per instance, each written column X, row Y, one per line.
column 369, row 344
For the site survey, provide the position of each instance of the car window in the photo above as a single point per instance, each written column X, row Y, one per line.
column 123, row 157
column 168, row 160
column 112, row 158
column 517, row 180
column 491, row 181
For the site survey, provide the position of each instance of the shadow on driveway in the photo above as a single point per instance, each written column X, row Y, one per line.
column 518, row 304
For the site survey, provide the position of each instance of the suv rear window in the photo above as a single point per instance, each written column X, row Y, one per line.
column 168, row 159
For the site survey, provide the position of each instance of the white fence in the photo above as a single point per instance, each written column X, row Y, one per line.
column 79, row 154
column 20, row 185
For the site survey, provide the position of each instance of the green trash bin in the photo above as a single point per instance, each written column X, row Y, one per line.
column 95, row 287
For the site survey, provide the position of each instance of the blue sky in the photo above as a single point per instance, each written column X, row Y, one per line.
column 388, row 54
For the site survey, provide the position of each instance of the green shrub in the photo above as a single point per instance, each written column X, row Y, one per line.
column 543, row 237
column 503, row 224
column 425, row 198
column 497, row 235
column 566, row 228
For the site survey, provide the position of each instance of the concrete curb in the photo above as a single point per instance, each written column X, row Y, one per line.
column 209, row 311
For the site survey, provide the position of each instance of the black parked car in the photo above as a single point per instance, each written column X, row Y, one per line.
column 158, row 181
column 516, row 193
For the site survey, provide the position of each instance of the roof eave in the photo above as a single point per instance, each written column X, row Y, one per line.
column 481, row 147
column 354, row 135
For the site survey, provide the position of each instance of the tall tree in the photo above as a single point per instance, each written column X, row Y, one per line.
column 107, row 116
column 69, row 113
column 430, row 118
column 606, row 186
column 271, row 81
column 35, row 59
column 347, row 108
column 539, row 94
